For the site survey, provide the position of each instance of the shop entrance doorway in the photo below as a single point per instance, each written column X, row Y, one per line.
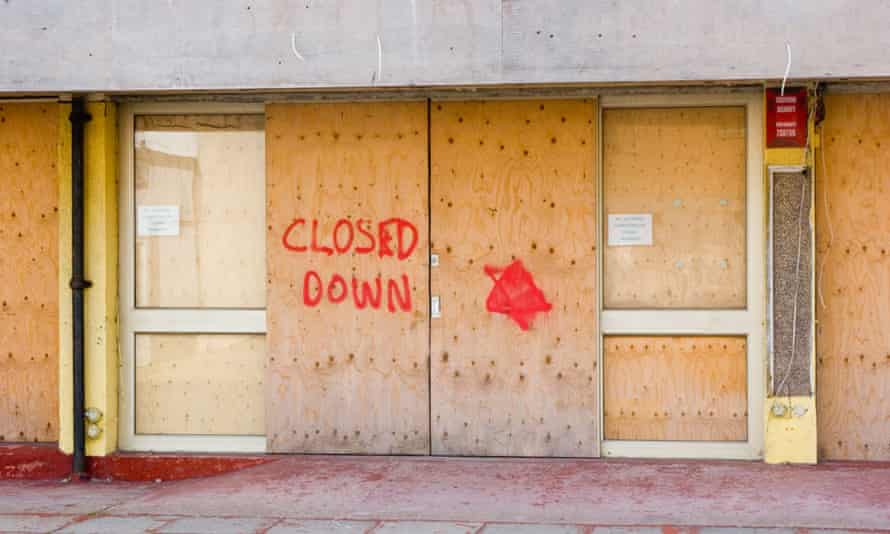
column 537, row 278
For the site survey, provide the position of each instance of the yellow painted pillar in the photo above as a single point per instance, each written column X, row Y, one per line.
column 101, row 309
column 66, row 387
column 791, row 437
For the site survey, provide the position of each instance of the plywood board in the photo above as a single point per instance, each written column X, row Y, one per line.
column 686, row 167
column 29, row 261
column 201, row 384
column 347, row 316
column 675, row 388
column 212, row 169
column 514, row 181
column 853, row 279
column 792, row 280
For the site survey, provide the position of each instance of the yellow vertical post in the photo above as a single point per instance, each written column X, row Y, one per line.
column 66, row 386
column 791, row 436
column 101, row 310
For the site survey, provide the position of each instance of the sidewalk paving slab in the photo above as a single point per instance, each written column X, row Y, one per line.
column 33, row 523
column 116, row 525
column 311, row 494
column 426, row 527
column 507, row 528
column 321, row 526
column 216, row 525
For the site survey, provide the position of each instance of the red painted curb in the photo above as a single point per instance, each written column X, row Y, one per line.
column 138, row 467
column 33, row 461
column 44, row 461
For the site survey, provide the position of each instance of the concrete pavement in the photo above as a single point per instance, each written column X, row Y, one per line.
column 314, row 494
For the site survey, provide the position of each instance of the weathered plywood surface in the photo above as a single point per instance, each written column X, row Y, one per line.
column 213, row 168
column 29, row 261
column 514, row 181
column 348, row 331
column 792, row 282
column 853, row 279
column 686, row 167
column 675, row 388
column 200, row 384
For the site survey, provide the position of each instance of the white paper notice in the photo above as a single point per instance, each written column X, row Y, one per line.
column 630, row 229
column 157, row 221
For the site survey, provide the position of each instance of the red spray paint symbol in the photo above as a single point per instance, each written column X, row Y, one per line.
column 515, row 294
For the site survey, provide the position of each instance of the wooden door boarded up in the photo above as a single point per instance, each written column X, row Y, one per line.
column 853, row 279
column 347, row 246
column 513, row 202
column 29, row 261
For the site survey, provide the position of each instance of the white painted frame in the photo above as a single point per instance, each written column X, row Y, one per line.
column 750, row 322
column 135, row 320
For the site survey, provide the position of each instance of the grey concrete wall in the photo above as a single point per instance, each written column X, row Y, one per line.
column 134, row 45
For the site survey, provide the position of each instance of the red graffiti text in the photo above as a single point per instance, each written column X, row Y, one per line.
column 391, row 238
column 361, row 293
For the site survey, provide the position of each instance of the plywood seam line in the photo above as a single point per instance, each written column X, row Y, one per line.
column 429, row 269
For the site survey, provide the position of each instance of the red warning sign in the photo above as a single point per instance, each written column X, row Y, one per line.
column 786, row 117
column 515, row 294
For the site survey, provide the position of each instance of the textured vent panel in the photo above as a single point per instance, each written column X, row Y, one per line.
column 792, row 268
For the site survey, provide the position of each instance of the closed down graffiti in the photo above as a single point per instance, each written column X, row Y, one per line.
column 393, row 238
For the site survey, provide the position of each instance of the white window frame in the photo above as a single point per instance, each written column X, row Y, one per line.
column 135, row 320
column 749, row 322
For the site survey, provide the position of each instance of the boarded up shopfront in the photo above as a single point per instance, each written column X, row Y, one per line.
column 433, row 280
column 432, row 277
column 349, row 325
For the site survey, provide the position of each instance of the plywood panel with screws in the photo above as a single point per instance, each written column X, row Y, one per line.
column 29, row 261
column 853, row 279
column 200, row 384
column 514, row 181
column 212, row 168
column 348, row 330
column 675, row 388
column 687, row 168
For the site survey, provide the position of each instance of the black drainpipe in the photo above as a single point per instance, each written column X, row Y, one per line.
column 79, row 117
